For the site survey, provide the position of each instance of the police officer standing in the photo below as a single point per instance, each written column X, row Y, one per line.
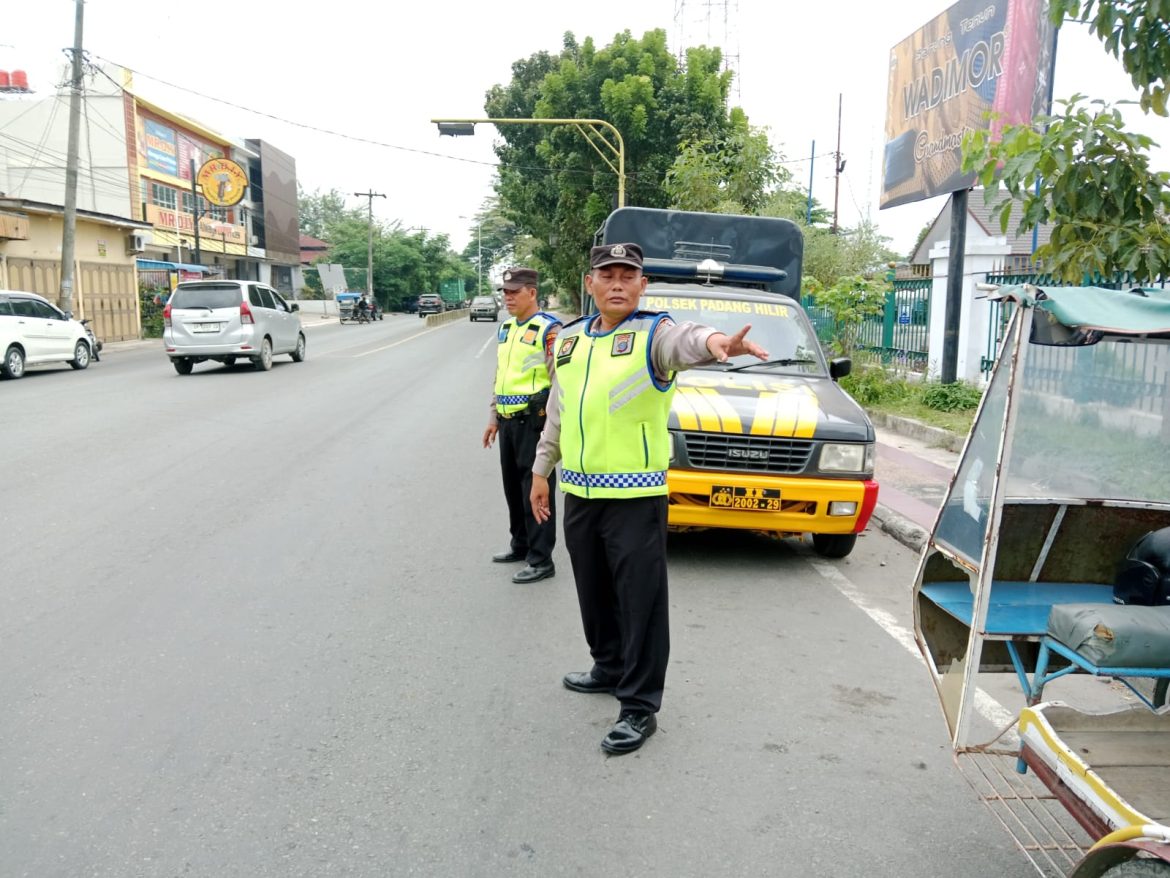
column 523, row 377
column 607, row 423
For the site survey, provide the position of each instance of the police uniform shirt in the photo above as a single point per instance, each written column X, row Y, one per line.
column 675, row 347
column 549, row 363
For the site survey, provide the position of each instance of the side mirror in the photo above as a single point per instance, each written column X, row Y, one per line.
column 840, row 367
column 295, row 307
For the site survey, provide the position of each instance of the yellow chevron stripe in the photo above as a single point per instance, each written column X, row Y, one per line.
column 726, row 412
column 765, row 415
column 808, row 414
column 708, row 419
column 787, row 407
column 687, row 420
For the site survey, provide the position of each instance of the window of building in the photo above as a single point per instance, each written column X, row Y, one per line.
column 188, row 202
column 163, row 196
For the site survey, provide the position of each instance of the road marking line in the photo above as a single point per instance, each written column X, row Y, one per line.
column 489, row 340
column 994, row 712
column 401, row 341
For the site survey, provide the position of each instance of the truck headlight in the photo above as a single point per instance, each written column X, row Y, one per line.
column 838, row 457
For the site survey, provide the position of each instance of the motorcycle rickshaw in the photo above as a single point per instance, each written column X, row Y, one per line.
column 346, row 304
column 1041, row 597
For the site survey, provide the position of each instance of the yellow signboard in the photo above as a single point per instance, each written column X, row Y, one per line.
column 165, row 218
column 223, row 182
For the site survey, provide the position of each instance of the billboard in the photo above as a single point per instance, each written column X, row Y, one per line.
column 976, row 57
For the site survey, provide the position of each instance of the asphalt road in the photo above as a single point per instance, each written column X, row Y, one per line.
column 248, row 627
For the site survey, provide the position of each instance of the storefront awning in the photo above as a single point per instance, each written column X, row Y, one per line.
column 160, row 265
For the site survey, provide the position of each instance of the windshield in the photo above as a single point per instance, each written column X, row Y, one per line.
column 778, row 327
column 206, row 296
column 484, row 300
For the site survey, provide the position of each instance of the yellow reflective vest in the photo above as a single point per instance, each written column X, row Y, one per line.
column 520, row 367
column 614, row 440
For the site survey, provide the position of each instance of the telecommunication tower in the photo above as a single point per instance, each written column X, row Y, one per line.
column 710, row 23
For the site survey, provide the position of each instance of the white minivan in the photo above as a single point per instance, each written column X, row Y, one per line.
column 229, row 320
column 33, row 331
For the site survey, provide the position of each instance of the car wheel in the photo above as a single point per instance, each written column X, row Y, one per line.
column 264, row 362
column 834, row 545
column 80, row 356
column 13, row 365
column 182, row 365
column 298, row 355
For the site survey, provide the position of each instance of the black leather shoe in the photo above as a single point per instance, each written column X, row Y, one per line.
column 510, row 555
column 584, row 681
column 629, row 732
column 535, row 574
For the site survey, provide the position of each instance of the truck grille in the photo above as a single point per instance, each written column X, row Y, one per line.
column 758, row 454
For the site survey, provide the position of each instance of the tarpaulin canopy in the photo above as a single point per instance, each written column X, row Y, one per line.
column 160, row 265
column 1136, row 311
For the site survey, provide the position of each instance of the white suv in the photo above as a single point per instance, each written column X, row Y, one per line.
column 33, row 331
column 227, row 320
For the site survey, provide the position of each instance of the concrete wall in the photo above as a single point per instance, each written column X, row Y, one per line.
column 32, row 151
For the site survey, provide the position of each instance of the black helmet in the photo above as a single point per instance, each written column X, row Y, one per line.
column 1144, row 576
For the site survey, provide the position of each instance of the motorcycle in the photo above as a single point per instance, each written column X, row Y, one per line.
column 95, row 346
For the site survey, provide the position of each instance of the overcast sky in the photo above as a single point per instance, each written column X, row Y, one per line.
column 381, row 71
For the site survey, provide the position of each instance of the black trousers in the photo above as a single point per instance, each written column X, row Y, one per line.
column 517, row 440
column 618, row 550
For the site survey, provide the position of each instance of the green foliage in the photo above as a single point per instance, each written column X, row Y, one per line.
column 850, row 252
column 150, row 301
column 957, row 397
column 874, row 386
column 730, row 174
column 319, row 211
column 553, row 184
column 849, row 301
column 1107, row 208
column 1133, row 31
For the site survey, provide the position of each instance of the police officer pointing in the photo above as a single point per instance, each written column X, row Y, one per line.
column 607, row 425
column 517, row 414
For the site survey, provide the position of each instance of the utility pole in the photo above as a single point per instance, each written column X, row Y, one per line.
column 838, row 164
column 370, row 244
column 812, row 163
column 69, row 234
column 479, row 260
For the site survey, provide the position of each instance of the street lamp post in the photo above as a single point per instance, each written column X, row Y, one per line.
column 593, row 130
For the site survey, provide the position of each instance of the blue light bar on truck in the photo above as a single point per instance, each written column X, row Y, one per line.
column 709, row 269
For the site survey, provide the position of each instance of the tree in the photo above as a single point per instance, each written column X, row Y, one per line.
column 1134, row 31
column 859, row 251
column 850, row 301
column 552, row 184
column 320, row 210
column 732, row 173
column 1080, row 170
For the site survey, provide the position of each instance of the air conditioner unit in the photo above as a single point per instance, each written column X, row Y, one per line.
column 136, row 242
column 254, row 240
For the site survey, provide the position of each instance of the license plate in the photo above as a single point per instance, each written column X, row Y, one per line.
column 748, row 499
column 206, row 327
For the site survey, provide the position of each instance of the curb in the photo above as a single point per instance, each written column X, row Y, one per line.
column 935, row 436
column 899, row 527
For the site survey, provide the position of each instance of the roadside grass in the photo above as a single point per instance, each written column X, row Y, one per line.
column 894, row 392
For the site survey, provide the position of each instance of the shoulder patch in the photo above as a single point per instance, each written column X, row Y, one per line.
column 502, row 335
column 623, row 343
column 550, row 338
column 530, row 335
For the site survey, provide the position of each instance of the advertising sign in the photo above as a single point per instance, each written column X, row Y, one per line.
column 167, row 219
column 162, row 153
column 976, row 57
column 223, row 181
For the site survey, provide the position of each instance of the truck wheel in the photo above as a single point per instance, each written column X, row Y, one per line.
column 834, row 545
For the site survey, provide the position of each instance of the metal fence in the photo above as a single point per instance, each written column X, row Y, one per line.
column 1001, row 312
column 900, row 334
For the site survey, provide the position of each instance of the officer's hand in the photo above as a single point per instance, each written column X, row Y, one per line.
column 489, row 435
column 723, row 347
column 539, row 499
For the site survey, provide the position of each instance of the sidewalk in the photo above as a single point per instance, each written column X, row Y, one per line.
column 913, row 472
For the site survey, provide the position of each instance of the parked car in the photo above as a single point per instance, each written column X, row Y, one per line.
column 484, row 307
column 33, row 331
column 430, row 303
column 227, row 320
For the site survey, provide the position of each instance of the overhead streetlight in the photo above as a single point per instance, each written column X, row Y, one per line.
column 593, row 130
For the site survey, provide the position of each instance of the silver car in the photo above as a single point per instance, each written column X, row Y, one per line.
column 227, row 320
column 485, row 307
